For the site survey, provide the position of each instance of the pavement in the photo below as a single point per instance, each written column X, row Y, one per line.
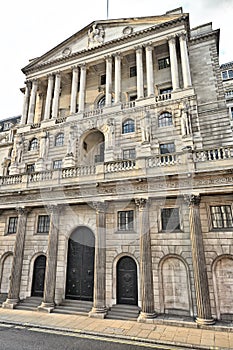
column 167, row 332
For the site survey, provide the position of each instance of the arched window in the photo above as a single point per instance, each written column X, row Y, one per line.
column 165, row 119
column 101, row 102
column 59, row 139
column 33, row 145
column 128, row 126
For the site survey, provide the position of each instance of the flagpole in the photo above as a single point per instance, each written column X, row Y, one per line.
column 107, row 9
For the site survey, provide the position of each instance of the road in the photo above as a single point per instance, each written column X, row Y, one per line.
column 29, row 338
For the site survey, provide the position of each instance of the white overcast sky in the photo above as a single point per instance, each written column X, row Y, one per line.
column 29, row 29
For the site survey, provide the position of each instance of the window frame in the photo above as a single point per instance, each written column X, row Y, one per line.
column 59, row 139
column 161, row 227
column 14, row 226
column 30, row 168
column 223, row 228
column 60, row 163
column 124, row 224
column 33, row 145
column 164, row 116
column 128, row 126
column 133, row 71
column 130, row 150
column 45, row 225
column 169, row 143
column 164, row 63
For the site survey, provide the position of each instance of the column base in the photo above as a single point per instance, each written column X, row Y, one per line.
column 46, row 307
column 98, row 312
column 205, row 322
column 10, row 303
column 146, row 317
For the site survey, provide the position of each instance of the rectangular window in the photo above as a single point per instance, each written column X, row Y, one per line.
column 231, row 112
column 170, row 219
column 221, row 216
column 129, row 153
column 125, row 220
column 103, row 79
column 30, row 168
column 167, row 90
column 224, row 75
column 167, row 148
column 43, row 224
column 57, row 164
column 164, row 63
column 12, row 224
column 230, row 73
column 132, row 71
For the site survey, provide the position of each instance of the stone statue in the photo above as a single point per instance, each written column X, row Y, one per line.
column 44, row 145
column 110, row 129
column 145, row 124
column 17, row 150
column 71, row 145
column 96, row 35
column 185, row 120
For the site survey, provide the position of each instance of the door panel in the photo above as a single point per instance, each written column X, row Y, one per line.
column 127, row 289
column 38, row 276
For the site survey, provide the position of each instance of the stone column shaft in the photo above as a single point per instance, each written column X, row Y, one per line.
column 139, row 63
column 74, row 91
column 51, row 262
column 17, row 263
column 32, row 102
column 49, row 96
column 174, row 63
column 82, row 92
column 26, row 103
column 108, row 94
column 99, row 304
column 149, row 71
column 185, row 61
column 57, row 87
column 117, row 78
column 146, row 277
column 199, row 264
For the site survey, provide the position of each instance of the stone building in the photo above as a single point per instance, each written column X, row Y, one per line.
column 118, row 192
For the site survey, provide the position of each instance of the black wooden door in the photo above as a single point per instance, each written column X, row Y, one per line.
column 127, row 289
column 38, row 276
column 80, row 266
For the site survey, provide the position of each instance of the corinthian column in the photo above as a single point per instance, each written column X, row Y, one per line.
column 99, row 309
column 149, row 70
column 185, row 61
column 117, row 78
column 48, row 303
column 49, row 95
column 82, row 92
column 139, row 63
column 74, row 91
column 56, row 96
column 199, row 263
column 146, row 277
column 174, row 63
column 17, row 263
column 26, row 103
column 32, row 102
column 108, row 93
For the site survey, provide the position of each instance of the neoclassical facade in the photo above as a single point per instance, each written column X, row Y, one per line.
column 116, row 185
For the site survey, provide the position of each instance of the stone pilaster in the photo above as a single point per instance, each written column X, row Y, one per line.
column 56, row 96
column 173, row 62
column 82, row 92
column 99, row 309
column 117, row 78
column 32, row 102
column 49, row 95
column 26, row 102
column 74, row 90
column 108, row 94
column 146, row 277
column 139, row 63
column 149, row 70
column 17, row 263
column 199, row 264
column 185, row 61
column 48, row 303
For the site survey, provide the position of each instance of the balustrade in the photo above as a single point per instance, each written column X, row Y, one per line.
column 213, row 154
column 123, row 165
column 11, row 180
column 163, row 97
column 78, row 171
column 163, row 160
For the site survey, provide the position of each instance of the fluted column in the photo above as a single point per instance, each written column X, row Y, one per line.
column 82, row 91
column 108, row 94
column 146, row 277
column 26, row 102
column 185, row 61
column 32, row 102
column 174, row 63
column 139, row 63
column 199, row 263
column 56, row 96
column 49, row 96
column 74, row 90
column 51, row 262
column 99, row 309
column 117, row 78
column 17, row 263
column 149, row 70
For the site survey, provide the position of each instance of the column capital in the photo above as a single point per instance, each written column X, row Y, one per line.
column 55, row 208
column 142, row 203
column 50, row 75
column 108, row 58
column 138, row 48
column 22, row 211
column 149, row 46
column 192, row 199
column 82, row 66
column 117, row 55
column 100, row 206
column 75, row 67
column 182, row 35
column 171, row 38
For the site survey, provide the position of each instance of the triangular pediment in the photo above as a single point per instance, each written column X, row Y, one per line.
column 100, row 33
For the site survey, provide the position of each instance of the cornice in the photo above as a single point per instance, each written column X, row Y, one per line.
column 109, row 44
column 205, row 36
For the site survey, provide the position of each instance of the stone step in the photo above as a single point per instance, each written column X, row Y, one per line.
column 74, row 307
column 30, row 303
column 123, row 312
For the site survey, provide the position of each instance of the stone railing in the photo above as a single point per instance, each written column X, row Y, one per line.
column 78, row 171
column 163, row 97
column 122, row 165
column 162, row 160
column 35, row 125
column 11, row 180
column 127, row 105
column 93, row 113
column 213, row 154
column 41, row 176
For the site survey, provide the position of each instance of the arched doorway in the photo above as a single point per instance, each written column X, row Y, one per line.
column 80, row 265
column 38, row 276
column 6, row 273
column 127, row 286
column 93, row 146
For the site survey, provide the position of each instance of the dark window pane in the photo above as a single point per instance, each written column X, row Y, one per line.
column 125, row 220
column 128, row 126
column 12, row 225
column 221, row 216
column 43, row 224
column 170, row 219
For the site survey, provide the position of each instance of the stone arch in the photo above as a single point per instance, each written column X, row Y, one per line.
column 174, row 286
column 222, row 270
column 38, row 276
column 31, row 269
column 92, row 147
column 5, row 270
